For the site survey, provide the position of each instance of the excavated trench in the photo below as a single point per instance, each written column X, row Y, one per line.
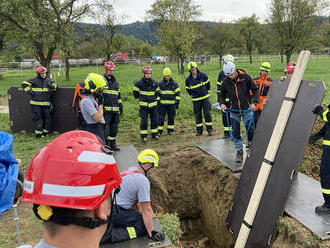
column 200, row 190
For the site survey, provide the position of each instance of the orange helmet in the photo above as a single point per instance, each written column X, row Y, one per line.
column 290, row 67
column 41, row 69
column 109, row 66
column 146, row 69
column 73, row 171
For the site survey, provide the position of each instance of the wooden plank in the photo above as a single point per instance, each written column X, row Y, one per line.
column 224, row 151
column 63, row 117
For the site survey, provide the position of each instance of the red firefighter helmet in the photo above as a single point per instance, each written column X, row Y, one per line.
column 41, row 69
column 109, row 66
column 146, row 69
column 290, row 67
column 73, row 171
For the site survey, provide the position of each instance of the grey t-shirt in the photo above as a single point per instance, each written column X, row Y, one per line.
column 89, row 108
column 134, row 188
column 41, row 244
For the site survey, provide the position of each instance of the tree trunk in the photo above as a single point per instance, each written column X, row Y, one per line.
column 288, row 57
column 178, row 62
column 220, row 61
column 182, row 66
column 250, row 55
column 67, row 69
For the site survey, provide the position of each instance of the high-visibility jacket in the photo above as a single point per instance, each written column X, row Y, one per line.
column 111, row 94
column 263, row 82
column 198, row 87
column 147, row 91
column 40, row 90
column 78, row 96
column 169, row 92
column 238, row 91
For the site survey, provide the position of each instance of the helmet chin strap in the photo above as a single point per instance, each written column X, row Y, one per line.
column 145, row 171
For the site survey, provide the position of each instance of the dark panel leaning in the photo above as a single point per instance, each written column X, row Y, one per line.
column 63, row 117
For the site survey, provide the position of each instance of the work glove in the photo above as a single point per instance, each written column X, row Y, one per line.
column 120, row 111
column 318, row 110
column 176, row 105
column 55, row 86
column 157, row 236
column 313, row 138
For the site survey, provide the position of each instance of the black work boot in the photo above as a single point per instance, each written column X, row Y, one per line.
column 113, row 146
column 226, row 135
column 322, row 210
column 210, row 132
column 160, row 132
column 156, row 137
column 170, row 132
column 239, row 156
column 144, row 140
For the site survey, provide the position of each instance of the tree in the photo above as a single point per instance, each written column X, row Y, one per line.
column 44, row 24
column 293, row 22
column 177, row 32
column 249, row 28
column 219, row 39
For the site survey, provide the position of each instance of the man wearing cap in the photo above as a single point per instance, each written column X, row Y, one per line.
column 198, row 87
column 91, row 110
column 74, row 204
column 288, row 71
column 133, row 217
column 226, row 122
column 169, row 101
column 263, row 82
column 237, row 87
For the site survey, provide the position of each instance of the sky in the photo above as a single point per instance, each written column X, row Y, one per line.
column 212, row 10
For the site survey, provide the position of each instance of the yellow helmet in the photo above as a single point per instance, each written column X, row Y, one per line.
column 94, row 82
column 148, row 156
column 191, row 65
column 265, row 66
column 167, row 71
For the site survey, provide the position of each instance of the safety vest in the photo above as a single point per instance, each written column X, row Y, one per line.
column 263, row 82
column 77, row 96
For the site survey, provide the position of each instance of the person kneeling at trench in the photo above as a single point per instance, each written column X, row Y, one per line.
column 133, row 214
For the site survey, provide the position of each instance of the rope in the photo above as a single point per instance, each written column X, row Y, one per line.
column 238, row 113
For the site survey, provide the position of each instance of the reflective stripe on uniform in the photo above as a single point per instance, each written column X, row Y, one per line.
column 72, row 191
column 111, row 138
column 150, row 104
column 200, row 98
column 161, row 128
column 37, row 132
column 136, row 89
column 154, row 130
column 199, row 85
column 199, row 124
column 177, row 98
column 27, row 88
column 40, row 103
column 219, row 83
column 325, row 115
column 120, row 101
column 131, row 232
column 326, row 191
column 107, row 108
column 208, row 123
column 27, row 83
column 326, row 142
column 40, row 89
column 177, row 90
column 111, row 92
column 147, row 93
column 170, row 126
column 143, row 131
column 167, row 92
column 227, row 99
column 167, row 101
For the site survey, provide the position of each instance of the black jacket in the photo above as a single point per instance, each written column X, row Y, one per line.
column 198, row 88
column 40, row 90
column 241, row 91
column 325, row 130
column 147, row 91
column 111, row 94
column 169, row 92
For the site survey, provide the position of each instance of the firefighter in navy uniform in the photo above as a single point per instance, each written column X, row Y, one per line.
column 40, row 89
column 325, row 159
column 263, row 82
column 225, row 122
column 169, row 101
column 147, row 91
column 113, row 105
column 198, row 87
